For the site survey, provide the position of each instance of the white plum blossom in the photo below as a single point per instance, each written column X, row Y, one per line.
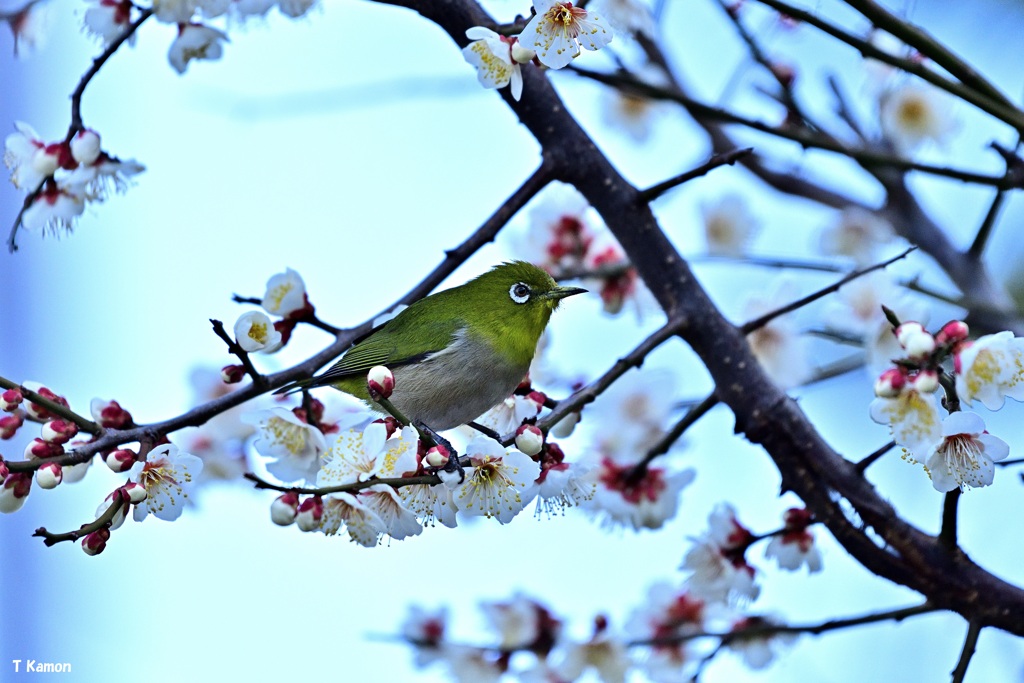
column 644, row 500
column 254, row 331
column 758, row 651
column 353, row 457
column 497, row 484
column 294, row 445
column 175, row 11
column 720, row 570
column 491, row 54
column 505, row 417
column 362, row 524
column 399, row 522
column 195, row 41
column 519, row 622
column 912, row 416
column 795, row 546
column 286, row 294
column 856, row 233
column 561, row 228
column 729, row 225
column 605, row 653
column 778, row 345
column 991, row 368
column 631, row 415
column 108, row 19
column 54, row 209
column 666, row 612
column 564, row 485
column 965, row 455
column 914, row 113
column 167, row 475
column 30, row 159
column 559, row 29
column 31, row 25
column 628, row 16
column 426, row 630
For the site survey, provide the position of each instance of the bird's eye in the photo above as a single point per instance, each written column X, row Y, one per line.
column 520, row 292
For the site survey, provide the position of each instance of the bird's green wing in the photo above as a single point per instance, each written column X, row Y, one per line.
column 397, row 343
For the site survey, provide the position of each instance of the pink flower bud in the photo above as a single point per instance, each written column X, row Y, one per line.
column 952, row 332
column 797, row 519
column 85, row 147
column 59, row 431
column 907, row 329
column 391, row 424
column 380, row 381
column 537, row 398
column 10, row 400
column 919, row 345
column 135, row 493
column 529, row 439
column 310, row 514
column 9, row 424
column 96, row 542
column 520, row 54
column 232, row 374
column 37, row 448
column 120, row 460
column 109, row 414
column 926, row 381
column 4, row 470
column 14, row 491
column 284, row 509
column 890, row 383
column 40, row 413
column 49, row 475
column 437, row 456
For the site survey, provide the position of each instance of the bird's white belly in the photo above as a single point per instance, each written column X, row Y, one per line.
column 455, row 386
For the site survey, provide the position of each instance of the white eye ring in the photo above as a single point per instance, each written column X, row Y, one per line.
column 520, row 292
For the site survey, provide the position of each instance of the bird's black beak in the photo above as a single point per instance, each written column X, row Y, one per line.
column 559, row 293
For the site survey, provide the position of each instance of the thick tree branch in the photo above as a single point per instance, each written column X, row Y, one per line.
column 831, row 487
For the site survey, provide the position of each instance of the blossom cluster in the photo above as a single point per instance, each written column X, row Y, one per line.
column 553, row 37
column 956, row 450
column 62, row 177
column 565, row 236
column 669, row 635
column 159, row 479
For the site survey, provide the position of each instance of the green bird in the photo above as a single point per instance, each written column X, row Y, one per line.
column 456, row 353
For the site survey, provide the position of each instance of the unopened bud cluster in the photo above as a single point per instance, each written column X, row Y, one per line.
column 925, row 352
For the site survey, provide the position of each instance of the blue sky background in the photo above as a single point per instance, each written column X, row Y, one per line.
column 354, row 146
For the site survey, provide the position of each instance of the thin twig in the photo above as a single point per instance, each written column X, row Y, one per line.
column 763, row 320
column 869, row 460
column 103, row 521
column 985, row 230
column 947, row 534
column 763, row 630
column 234, row 347
column 725, row 158
column 395, row 482
column 970, row 644
column 662, row 445
column 587, row 394
column 866, row 157
column 97, row 64
column 929, row 47
column 986, row 98
column 65, row 413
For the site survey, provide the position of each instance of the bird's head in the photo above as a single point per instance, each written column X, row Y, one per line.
column 513, row 302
